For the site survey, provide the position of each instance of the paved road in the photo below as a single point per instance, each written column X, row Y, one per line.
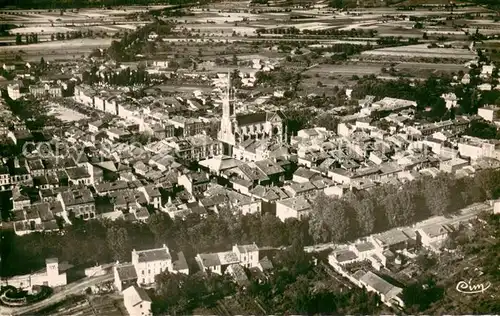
column 70, row 289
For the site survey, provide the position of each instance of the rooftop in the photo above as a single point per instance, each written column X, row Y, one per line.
column 158, row 254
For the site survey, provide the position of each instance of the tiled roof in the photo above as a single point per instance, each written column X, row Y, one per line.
column 153, row 255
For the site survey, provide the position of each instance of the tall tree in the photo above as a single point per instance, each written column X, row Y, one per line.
column 365, row 213
column 329, row 220
column 117, row 239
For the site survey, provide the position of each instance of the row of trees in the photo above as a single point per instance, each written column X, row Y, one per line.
column 125, row 77
column 389, row 206
column 28, row 39
column 135, row 43
column 101, row 241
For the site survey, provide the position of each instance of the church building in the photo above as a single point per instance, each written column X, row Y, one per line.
column 240, row 127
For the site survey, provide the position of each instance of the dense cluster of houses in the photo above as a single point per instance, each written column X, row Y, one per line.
column 196, row 161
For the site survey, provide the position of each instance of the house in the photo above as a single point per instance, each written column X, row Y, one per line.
column 19, row 200
column 433, row 236
column 79, row 176
column 341, row 257
column 194, row 182
column 14, row 91
column 489, row 113
column 394, row 239
column 453, row 165
column 306, row 189
column 125, row 276
column 295, row 207
column 95, row 126
column 37, row 218
column 450, row 99
column 245, row 255
column 265, row 265
column 179, row 263
column 116, row 134
column 363, row 249
column 218, row 164
column 20, row 136
column 106, row 188
column 137, row 301
column 389, row 294
column 79, row 202
column 273, row 170
column 4, row 178
column 151, row 262
column 303, row 175
column 152, row 194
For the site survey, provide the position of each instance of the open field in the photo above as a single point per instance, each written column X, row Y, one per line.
column 347, row 69
column 54, row 50
column 423, row 51
column 65, row 114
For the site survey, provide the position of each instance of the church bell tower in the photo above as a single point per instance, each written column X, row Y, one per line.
column 226, row 132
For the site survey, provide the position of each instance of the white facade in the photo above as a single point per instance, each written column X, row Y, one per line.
column 14, row 91
column 136, row 301
column 50, row 277
column 488, row 113
column 149, row 263
column 248, row 255
column 476, row 148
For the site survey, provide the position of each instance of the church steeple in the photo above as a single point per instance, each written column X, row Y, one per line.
column 227, row 103
column 226, row 133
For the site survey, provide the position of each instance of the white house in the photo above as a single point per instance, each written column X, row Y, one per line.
column 488, row 113
column 245, row 255
column 248, row 255
column 136, row 301
column 151, row 262
column 450, row 99
column 433, row 236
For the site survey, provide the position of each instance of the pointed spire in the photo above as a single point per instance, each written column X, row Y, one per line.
column 228, row 93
